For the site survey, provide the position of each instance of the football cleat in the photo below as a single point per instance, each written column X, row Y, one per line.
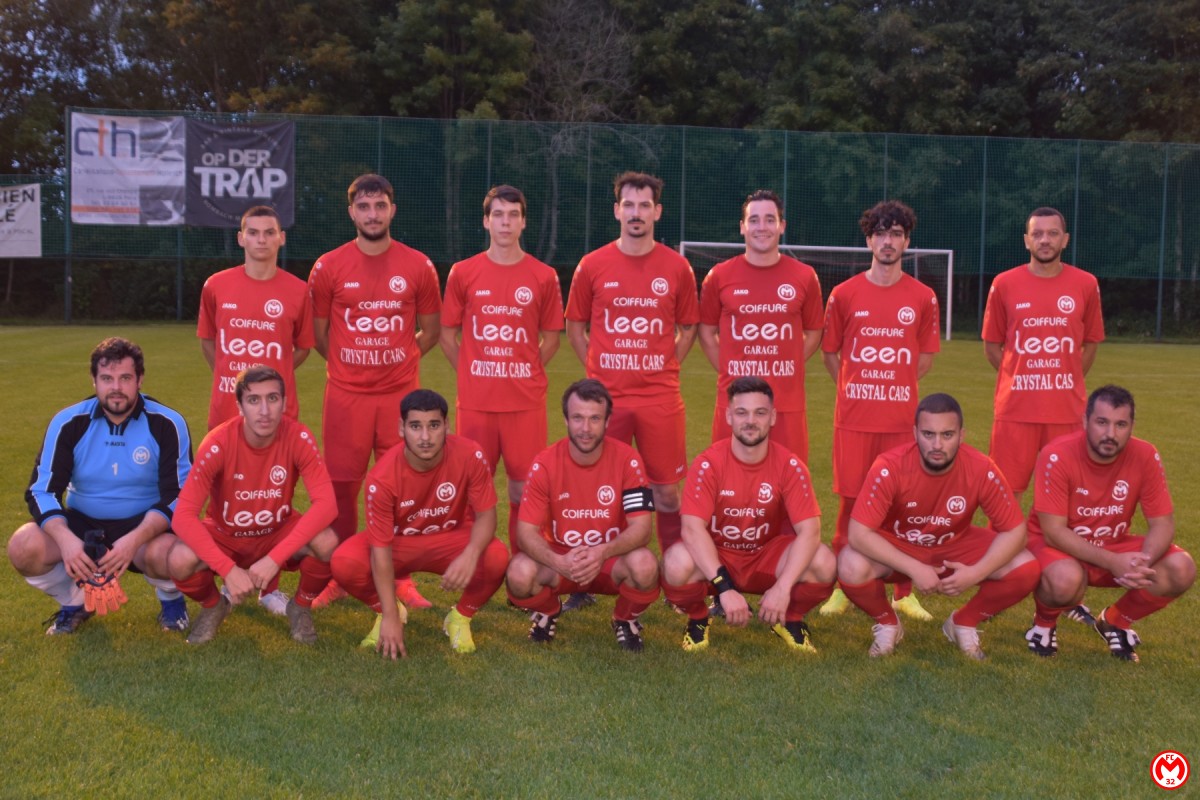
column 209, row 620
column 458, row 628
column 911, row 607
column 629, row 635
column 275, row 602
column 796, row 635
column 696, row 636
column 836, row 604
column 1121, row 641
column 301, row 622
column 543, row 627
column 886, row 639
column 406, row 590
column 1043, row 641
column 174, row 615
column 330, row 594
column 578, row 601
column 66, row 620
column 372, row 638
column 966, row 638
column 1082, row 614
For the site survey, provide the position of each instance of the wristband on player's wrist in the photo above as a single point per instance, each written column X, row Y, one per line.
column 722, row 582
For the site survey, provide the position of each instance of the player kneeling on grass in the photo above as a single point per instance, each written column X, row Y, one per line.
column 102, row 495
column 741, row 495
column 913, row 519
column 1087, row 486
column 246, row 469
column 431, row 507
column 590, row 496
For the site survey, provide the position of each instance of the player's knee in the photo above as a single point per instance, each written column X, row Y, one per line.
column 1062, row 582
column 26, row 548
column 182, row 561
column 823, row 568
column 677, row 565
column 520, row 575
column 155, row 556
column 666, row 497
column 852, row 566
column 324, row 544
column 515, row 491
column 642, row 567
column 1180, row 570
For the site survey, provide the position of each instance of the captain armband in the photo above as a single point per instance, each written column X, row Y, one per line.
column 637, row 499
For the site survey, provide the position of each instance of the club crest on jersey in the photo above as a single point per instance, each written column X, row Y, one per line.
column 1120, row 490
column 956, row 504
column 906, row 316
column 764, row 493
column 523, row 295
column 1066, row 304
column 786, row 292
column 397, row 284
column 660, row 286
column 141, row 455
column 605, row 495
column 278, row 475
column 446, row 492
column 273, row 308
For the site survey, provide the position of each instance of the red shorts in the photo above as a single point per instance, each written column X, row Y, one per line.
column 853, row 454
column 353, row 425
column 753, row 572
column 1015, row 447
column 602, row 584
column 790, row 430
column 1096, row 576
column 967, row 547
column 661, row 433
column 517, row 436
column 246, row 550
column 430, row 553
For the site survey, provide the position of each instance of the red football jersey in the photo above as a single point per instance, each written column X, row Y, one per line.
column 585, row 505
column 633, row 304
column 926, row 511
column 761, row 314
column 372, row 304
column 404, row 502
column 747, row 505
column 253, row 322
column 1098, row 500
column 502, row 309
column 881, row 331
column 249, row 491
column 1043, row 324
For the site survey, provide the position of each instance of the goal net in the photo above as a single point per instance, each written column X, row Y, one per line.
column 934, row 268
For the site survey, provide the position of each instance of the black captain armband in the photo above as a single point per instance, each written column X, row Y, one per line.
column 722, row 583
column 637, row 499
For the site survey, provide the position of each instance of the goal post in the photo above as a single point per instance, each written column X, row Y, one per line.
column 934, row 268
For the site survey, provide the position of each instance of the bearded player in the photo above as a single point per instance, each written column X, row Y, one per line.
column 585, row 523
column 881, row 334
column 1087, row 486
column 501, row 319
column 913, row 519
column 255, row 314
column 431, row 507
column 376, row 304
column 741, row 497
column 247, row 469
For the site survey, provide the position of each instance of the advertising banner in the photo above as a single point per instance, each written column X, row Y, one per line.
column 21, row 221
column 233, row 167
column 127, row 170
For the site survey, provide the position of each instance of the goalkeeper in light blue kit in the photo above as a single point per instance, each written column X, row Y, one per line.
column 102, row 494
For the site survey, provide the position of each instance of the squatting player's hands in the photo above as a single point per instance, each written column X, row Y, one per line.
column 118, row 558
column 925, row 579
column 586, row 563
column 737, row 610
column 391, row 639
column 458, row 573
column 78, row 565
column 261, row 572
column 1132, row 570
column 773, row 608
column 959, row 580
column 239, row 585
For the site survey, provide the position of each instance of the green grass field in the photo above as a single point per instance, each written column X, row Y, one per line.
column 124, row 710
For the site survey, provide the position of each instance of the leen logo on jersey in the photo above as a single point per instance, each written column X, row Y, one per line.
column 660, row 286
column 906, row 316
column 1066, row 304
column 523, row 295
column 397, row 284
column 273, row 309
column 446, row 492
column 786, row 292
column 606, row 495
column 278, row 475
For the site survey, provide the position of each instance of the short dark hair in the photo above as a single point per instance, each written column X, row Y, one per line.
column 589, row 390
column 370, row 184
column 749, row 385
column 509, row 194
column 423, row 400
column 939, row 403
column 257, row 374
column 638, row 180
column 1115, row 396
column 762, row 194
column 882, row 216
column 260, row 211
column 1046, row 211
column 114, row 349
